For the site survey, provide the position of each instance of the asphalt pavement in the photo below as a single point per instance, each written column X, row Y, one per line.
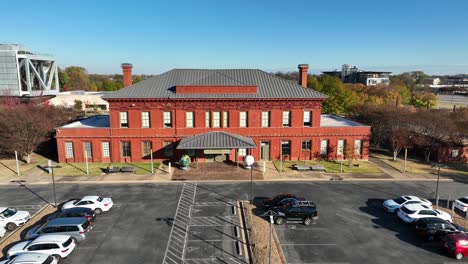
column 353, row 228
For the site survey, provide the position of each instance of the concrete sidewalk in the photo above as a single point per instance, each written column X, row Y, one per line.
column 36, row 176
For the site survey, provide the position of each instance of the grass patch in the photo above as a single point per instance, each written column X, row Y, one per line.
column 331, row 166
column 97, row 168
column 8, row 166
column 422, row 167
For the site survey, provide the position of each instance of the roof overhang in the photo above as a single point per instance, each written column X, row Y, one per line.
column 216, row 140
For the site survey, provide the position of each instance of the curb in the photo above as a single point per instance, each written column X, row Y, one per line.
column 19, row 229
column 231, row 181
column 245, row 234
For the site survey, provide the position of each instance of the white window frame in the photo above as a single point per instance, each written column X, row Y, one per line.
column 286, row 142
column 309, row 143
column 216, row 119
column 129, row 148
column 307, row 120
column 265, row 118
column 340, row 147
column 286, row 119
column 105, row 145
column 243, row 119
column 357, row 146
column 124, row 120
column 189, row 119
column 242, row 152
column 225, row 119
column 145, row 120
column 89, row 151
column 69, row 151
column 167, row 119
column 324, row 147
column 143, row 143
column 207, row 119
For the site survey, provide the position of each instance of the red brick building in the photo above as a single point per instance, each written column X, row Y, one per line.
column 257, row 112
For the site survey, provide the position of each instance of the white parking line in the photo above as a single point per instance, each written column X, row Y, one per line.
column 175, row 250
column 318, row 262
column 288, row 245
column 211, row 240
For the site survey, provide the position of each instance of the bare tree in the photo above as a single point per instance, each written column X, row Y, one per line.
column 25, row 126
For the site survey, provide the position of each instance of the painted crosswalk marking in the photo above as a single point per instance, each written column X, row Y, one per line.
column 178, row 238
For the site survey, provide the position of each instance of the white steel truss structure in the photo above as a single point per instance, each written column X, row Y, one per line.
column 24, row 73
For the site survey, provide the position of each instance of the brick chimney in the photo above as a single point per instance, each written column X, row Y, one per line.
column 127, row 74
column 303, row 69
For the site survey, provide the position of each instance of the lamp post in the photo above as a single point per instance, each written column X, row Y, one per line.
column 53, row 180
column 438, row 166
column 249, row 161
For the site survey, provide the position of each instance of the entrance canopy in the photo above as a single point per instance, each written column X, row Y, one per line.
column 216, row 140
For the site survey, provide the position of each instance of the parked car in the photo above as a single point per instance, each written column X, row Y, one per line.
column 411, row 212
column 30, row 258
column 434, row 227
column 392, row 205
column 59, row 246
column 301, row 211
column 12, row 218
column 76, row 212
column 97, row 203
column 76, row 227
column 461, row 204
column 455, row 245
column 2, row 231
column 280, row 200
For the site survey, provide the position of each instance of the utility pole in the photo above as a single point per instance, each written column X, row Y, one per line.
column 152, row 166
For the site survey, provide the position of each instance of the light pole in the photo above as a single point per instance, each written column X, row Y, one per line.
column 438, row 166
column 271, row 226
column 53, row 181
column 249, row 161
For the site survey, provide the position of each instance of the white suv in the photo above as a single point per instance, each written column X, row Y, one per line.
column 2, row 231
column 59, row 246
column 462, row 204
column 411, row 212
column 11, row 218
column 30, row 258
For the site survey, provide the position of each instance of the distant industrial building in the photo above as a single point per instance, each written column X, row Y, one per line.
column 91, row 101
column 24, row 73
column 352, row 74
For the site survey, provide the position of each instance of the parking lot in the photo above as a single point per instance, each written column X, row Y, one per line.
column 353, row 228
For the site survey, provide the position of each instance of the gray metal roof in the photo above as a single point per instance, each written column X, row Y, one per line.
column 216, row 140
column 163, row 85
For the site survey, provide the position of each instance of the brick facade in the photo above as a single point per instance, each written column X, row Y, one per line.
column 157, row 134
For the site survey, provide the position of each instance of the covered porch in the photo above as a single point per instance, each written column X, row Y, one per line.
column 217, row 148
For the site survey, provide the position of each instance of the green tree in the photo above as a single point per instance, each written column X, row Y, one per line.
column 78, row 78
column 93, row 87
column 137, row 79
column 64, row 79
column 423, row 100
column 340, row 99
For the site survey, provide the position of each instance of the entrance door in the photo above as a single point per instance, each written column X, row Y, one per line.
column 265, row 150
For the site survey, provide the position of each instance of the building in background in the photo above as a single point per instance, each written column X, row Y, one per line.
column 352, row 74
column 213, row 115
column 91, row 101
column 24, row 73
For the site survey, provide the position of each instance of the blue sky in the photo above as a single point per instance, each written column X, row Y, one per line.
column 271, row 35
